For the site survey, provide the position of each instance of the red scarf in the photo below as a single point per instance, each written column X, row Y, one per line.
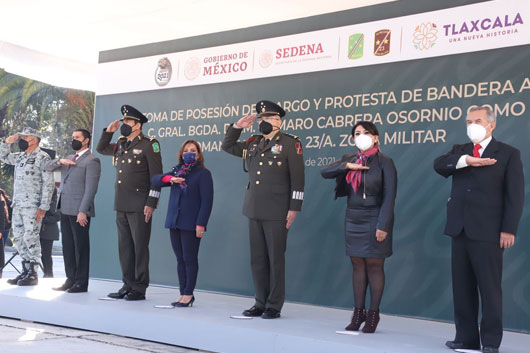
column 354, row 176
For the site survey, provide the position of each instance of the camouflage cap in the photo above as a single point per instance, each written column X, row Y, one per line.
column 29, row 131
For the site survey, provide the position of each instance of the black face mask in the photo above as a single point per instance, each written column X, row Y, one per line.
column 126, row 130
column 23, row 144
column 265, row 127
column 76, row 145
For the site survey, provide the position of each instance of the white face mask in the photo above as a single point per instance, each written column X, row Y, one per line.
column 476, row 132
column 363, row 142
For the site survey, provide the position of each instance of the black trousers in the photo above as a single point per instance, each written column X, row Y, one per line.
column 2, row 254
column 268, row 242
column 133, row 244
column 186, row 248
column 46, row 246
column 477, row 268
column 76, row 250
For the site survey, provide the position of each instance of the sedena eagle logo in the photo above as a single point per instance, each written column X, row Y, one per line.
column 163, row 72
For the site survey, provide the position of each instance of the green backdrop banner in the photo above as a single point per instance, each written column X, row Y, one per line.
column 419, row 108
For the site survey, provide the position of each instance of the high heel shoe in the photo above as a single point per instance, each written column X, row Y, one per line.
column 185, row 305
column 358, row 317
column 372, row 319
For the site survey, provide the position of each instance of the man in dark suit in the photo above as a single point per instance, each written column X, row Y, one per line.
column 80, row 174
column 483, row 214
column 274, row 196
column 137, row 159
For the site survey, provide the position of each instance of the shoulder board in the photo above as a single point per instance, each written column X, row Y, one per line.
column 121, row 137
column 291, row 136
column 152, row 139
column 252, row 138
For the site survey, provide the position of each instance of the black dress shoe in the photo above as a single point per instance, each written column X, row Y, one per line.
column 270, row 313
column 134, row 295
column 77, row 288
column 460, row 345
column 253, row 312
column 490, row 350
column 66, row 285
column 119, row 294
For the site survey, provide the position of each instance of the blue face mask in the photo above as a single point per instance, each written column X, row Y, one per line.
column 188, row 157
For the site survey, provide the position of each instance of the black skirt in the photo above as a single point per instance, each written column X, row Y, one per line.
column 359, row 231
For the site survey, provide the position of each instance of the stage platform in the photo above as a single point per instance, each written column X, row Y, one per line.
column 208, row 326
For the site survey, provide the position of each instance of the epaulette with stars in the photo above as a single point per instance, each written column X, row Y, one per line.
column 292, row 136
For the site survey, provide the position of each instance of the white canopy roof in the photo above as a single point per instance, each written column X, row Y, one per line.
column 58, row 41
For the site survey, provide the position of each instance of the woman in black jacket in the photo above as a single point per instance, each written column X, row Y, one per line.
column 369, row 179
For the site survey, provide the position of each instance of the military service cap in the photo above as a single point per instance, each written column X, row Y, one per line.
column 28, row 131
column 268, row 108
column 130, row 112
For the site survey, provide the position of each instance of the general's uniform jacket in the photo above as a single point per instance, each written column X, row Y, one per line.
column 33, row 186
column 135, row 165
column 276, row 173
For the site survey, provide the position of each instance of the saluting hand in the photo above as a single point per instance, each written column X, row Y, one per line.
column 113, row 126
column 480, row 162
column 12, row 138
column 354, row 166
column 246, row 121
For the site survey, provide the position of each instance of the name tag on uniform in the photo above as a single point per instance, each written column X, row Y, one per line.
column 30, row 161
column 137, row 151
column 276, row 149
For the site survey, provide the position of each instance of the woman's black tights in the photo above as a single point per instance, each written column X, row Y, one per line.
column 368, row 271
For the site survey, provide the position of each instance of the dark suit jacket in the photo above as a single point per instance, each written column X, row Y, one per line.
column 485, row 201
column 190, row 207
column 381, row 186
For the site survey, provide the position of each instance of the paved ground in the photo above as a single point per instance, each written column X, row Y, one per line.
column 28, row 337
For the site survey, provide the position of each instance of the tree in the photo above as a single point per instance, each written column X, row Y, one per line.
column 52, row 110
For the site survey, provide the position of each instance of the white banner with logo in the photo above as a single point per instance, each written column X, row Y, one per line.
column 483, row 26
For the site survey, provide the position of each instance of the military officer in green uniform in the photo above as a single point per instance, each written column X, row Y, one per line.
column 274, row 196
column 136, row 158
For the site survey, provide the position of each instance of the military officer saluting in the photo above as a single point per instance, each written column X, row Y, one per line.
column 274, row 195
column 33, row 189
column 136, row 158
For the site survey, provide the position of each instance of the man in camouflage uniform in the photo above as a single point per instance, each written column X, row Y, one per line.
column 32, row 193
column 274, row 196
column 137, row 159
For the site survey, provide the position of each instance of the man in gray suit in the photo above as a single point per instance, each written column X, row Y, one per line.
column 79, row 183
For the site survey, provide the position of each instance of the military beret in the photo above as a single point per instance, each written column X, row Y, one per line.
column 130, row 112
column 28, row 131
column 268, row 108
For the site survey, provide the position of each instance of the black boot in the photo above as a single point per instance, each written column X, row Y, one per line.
column 32, row 277
column 358, row 317
column 25, row 268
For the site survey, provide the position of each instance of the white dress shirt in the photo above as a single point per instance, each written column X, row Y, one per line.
column 462, row 160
